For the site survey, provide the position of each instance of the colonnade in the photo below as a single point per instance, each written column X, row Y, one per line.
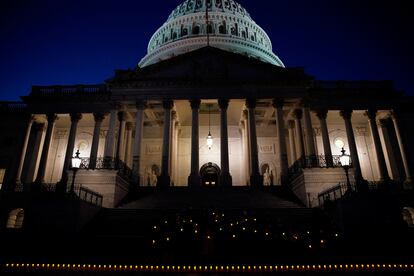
column 301, row 144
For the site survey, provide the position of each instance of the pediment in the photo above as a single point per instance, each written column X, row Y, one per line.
column 210, row 65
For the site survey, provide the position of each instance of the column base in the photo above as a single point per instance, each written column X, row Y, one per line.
column 226, row 180
column 163, row 181
column 256, row 181
column 194, row 181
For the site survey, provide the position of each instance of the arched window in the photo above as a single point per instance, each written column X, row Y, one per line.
column 16, row 218
column 196, row 30
column 244, row 34
column 408, row 216
column 222, row 29
column 184, row 31
column 174, row 36
column 209, row 28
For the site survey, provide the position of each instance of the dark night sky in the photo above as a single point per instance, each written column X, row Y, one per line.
column 46, row 42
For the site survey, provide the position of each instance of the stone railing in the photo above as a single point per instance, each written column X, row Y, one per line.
column 314, row 161
column 105, row 163
column 336, row 192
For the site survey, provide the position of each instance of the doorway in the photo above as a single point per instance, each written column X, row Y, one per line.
column 210, row 173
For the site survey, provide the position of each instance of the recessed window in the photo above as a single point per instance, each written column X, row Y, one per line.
column 339, row 143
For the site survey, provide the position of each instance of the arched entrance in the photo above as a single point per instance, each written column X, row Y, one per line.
column 210, row 173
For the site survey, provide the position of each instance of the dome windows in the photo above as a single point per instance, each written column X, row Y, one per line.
column 196, row 30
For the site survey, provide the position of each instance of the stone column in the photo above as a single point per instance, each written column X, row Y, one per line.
column 322, row 115
column 128, row 144
column 297, row 113
column 164, row 179
column 23, row 154
column 51, row 118
column 310, row 142
column 408, row 183
column 389, row 147
column 292, row 143
column 256, row 180
column 225, row 177
column 281, row 145
column 110, row 137
column 382, row 166
column 245, row 116
column 174, row 118
column 74, row 118
column 99, row 117
column 347, row 115
column 121, row 136
column 194, row 180
column 139, row 127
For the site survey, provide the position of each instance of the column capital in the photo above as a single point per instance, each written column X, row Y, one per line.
column 75, row 117
column 251, row 103
column 168, row 104
column 141, row 104
column 322, row 113
column 382, row 123
column 223, row 103
column 174, row 115
column 129, row 126
column 371, row 114
column 99, row 116
column 297, row 114
column 51, row 118
column 346, row 114
column 278, row 102
column 121, row 116
column 305, row 103
column 394, row 114
column 291, row 124
column 195, row 103
column 245, row 114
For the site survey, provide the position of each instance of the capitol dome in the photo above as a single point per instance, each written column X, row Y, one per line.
column 229, row 27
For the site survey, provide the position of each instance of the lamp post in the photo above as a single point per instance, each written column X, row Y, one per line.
column 76, row 162
column 209, row 137
column 345, row 161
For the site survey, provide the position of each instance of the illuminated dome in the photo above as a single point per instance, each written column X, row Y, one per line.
column 230, row 28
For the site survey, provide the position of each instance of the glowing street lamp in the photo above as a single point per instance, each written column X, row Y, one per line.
column 345, row 161
column 76, row 162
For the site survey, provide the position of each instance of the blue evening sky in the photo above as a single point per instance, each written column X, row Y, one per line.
column 47, row 42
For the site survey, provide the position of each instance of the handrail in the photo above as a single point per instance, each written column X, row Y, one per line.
column 89, row 196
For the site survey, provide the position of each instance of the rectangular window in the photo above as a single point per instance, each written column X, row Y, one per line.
column 2, row 173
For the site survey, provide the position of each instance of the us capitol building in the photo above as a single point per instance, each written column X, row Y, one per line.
column 209, row 107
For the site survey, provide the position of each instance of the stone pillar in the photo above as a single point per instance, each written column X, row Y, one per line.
column 99, row 117
column 32, row 168
column 128, row 144
column 164, row 179
column 225, row 177
column 23, row 154
column 382, row 166
column 194, row 180
column 139, row 127
column 245, row 115
column 110, row 137
column 408, row 183
column 292, row 143
column 281, row 145
column 74, row 118
column 174, row 119
column 347, row 115
column 297, row 113
column 121, row 136
column 322, row 115
column 310, row 142
column 389, row 147
column 256, row 180
column 51, row 118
